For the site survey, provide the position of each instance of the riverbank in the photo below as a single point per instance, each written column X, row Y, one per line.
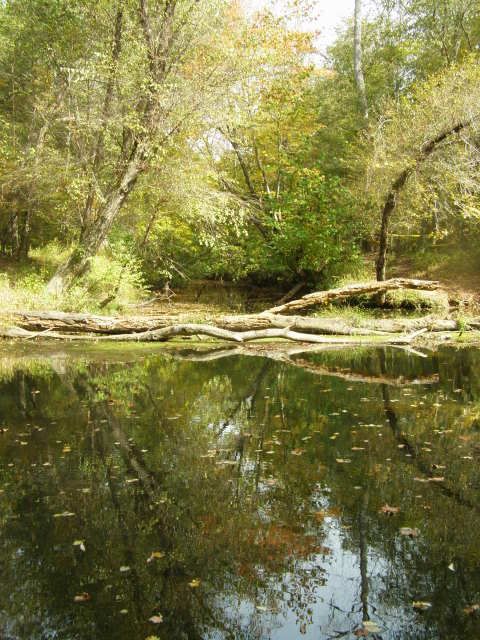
column 273, row 324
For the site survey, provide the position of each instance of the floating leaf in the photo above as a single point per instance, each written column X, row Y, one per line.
column 155, row 555
column 343, row 460
column 82, row 597
column 157, row 619
column 473, row 608
column 388, row 510
column 194, row 583
column 80, row 544
column 408, row 531
column 65, row 514
column 421, row 606
column 297, row 452
column 124, row 569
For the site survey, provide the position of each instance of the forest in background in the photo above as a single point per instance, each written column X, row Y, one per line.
column 153, row 141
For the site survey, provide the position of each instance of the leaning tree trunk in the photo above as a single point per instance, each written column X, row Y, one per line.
column 158, row 48
column 391, row 200
column 97, row 232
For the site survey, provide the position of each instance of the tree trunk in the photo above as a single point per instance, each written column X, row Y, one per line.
column 391, row 200
column 88, row 212
column 388, row 209
column 23, row 245
column 357, row 58
column 97, row 229
column 357, row 289
column 97, row 232
column 84, row 323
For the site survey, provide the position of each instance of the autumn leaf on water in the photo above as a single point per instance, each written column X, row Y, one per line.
column 473, row 608
column 65, row 514
column 408, row 531
column 297, row 452
column 80, row 544
column 421, row 606
column 124, row 569
column 331, row 512
column 82, row 597
column 343, row 460
column 371, row 626
column 388, row 510
column 156, row 619
column 155, row 555
column 194, row 583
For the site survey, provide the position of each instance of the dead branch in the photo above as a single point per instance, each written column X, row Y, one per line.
column 352, row 290
column 166, row 333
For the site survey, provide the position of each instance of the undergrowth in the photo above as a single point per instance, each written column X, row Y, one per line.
column 113, row 282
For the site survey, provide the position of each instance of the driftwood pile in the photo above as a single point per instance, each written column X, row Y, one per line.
column 271, row 324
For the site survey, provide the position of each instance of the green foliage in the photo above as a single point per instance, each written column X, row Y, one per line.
column 314, row 230
column 263, row 168
column 115, row 274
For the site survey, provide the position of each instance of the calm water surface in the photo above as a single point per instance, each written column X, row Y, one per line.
column 146, row 494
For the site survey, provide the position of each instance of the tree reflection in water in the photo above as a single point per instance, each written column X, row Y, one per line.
column 238, row 497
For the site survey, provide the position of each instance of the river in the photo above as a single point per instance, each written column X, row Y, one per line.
column 161, row 493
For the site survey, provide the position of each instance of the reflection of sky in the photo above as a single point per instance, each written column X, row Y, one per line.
column 336, row 606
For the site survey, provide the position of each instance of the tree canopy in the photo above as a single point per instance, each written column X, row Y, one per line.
column 182, row 139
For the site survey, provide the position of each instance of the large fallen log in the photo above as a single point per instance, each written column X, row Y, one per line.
column 106, row 325
column 166, row 333
column 87, row 322
column 352, row 290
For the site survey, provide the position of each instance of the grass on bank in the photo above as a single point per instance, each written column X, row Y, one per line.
column 115, row 271
column 22, row 287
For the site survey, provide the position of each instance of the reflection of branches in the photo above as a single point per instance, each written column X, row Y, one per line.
column 414, row 456
column 363, row 546
column 286, row 354
column 251, row 393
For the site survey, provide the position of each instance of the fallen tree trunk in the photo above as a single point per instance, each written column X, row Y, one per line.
column 352, row 290
column 87, row 322
column 162, row 335
column 105, row 325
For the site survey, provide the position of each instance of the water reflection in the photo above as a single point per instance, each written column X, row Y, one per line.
column 150, row 494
